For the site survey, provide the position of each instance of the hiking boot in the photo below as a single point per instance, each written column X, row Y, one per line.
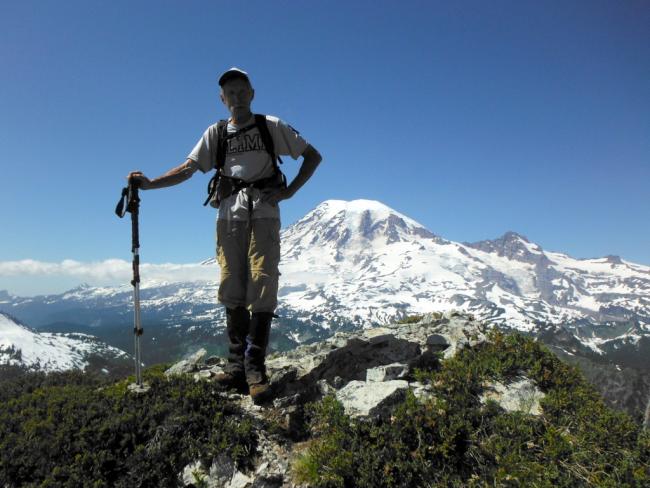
column 257, row 341
column 237, row 324
column 232, row 381
column 260, row 392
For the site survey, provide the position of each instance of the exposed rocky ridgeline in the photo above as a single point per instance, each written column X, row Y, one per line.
column 444, row 401
column 371, row 373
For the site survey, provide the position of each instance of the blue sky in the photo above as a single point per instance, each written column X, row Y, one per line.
column 472, row 117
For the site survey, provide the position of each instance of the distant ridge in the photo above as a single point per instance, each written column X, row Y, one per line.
column 27, row 348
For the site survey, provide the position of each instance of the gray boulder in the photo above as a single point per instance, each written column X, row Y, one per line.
column 521, row 395
column 188, row 365
column 371, row 399
column 222, row 474
column 394, row 371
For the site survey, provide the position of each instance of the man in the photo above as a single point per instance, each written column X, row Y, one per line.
column 248, row 225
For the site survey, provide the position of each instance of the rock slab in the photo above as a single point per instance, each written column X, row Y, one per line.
column 371, row 399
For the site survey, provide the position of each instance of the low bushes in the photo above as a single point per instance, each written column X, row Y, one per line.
column 76, row 434
column 455, row 440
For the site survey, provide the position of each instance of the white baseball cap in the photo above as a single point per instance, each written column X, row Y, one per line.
column 233, row 73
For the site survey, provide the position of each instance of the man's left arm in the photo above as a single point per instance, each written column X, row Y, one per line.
column 311, row 160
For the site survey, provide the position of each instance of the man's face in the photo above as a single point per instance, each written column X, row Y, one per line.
column 237, row 95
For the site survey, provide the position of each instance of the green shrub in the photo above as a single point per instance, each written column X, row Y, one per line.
column 16, row 381
column 82, row 435
column 453, row 439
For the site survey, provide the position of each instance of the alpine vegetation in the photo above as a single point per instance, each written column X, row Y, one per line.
column 442, row 400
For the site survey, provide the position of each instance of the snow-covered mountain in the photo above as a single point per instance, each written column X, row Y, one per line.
column 32, row 350
column 375, row 263
column 355, row 264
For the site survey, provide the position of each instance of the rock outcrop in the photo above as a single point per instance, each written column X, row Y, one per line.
column 368, row 372
column 187, row 365
column 521, row 395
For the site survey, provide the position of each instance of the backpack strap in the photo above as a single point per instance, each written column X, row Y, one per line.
column 220, row 160
column 222, row 132
column 267, row 140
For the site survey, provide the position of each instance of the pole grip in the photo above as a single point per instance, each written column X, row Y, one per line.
column 135, row 231
column 135, row 265
column 134, row 209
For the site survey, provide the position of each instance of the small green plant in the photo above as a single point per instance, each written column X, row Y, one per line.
column 331, row 425
column 200, row 478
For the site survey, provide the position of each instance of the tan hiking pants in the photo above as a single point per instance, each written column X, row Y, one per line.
column 249, row 259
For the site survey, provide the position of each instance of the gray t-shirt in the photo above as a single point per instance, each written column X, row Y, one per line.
column 247, row 159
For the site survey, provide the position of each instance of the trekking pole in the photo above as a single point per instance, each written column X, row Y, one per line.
column 130, row 202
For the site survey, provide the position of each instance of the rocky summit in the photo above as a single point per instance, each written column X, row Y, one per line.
column 437, row 401
column 368, row 372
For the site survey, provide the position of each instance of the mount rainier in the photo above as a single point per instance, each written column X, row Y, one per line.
column 350, row 265
column 375, row 264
